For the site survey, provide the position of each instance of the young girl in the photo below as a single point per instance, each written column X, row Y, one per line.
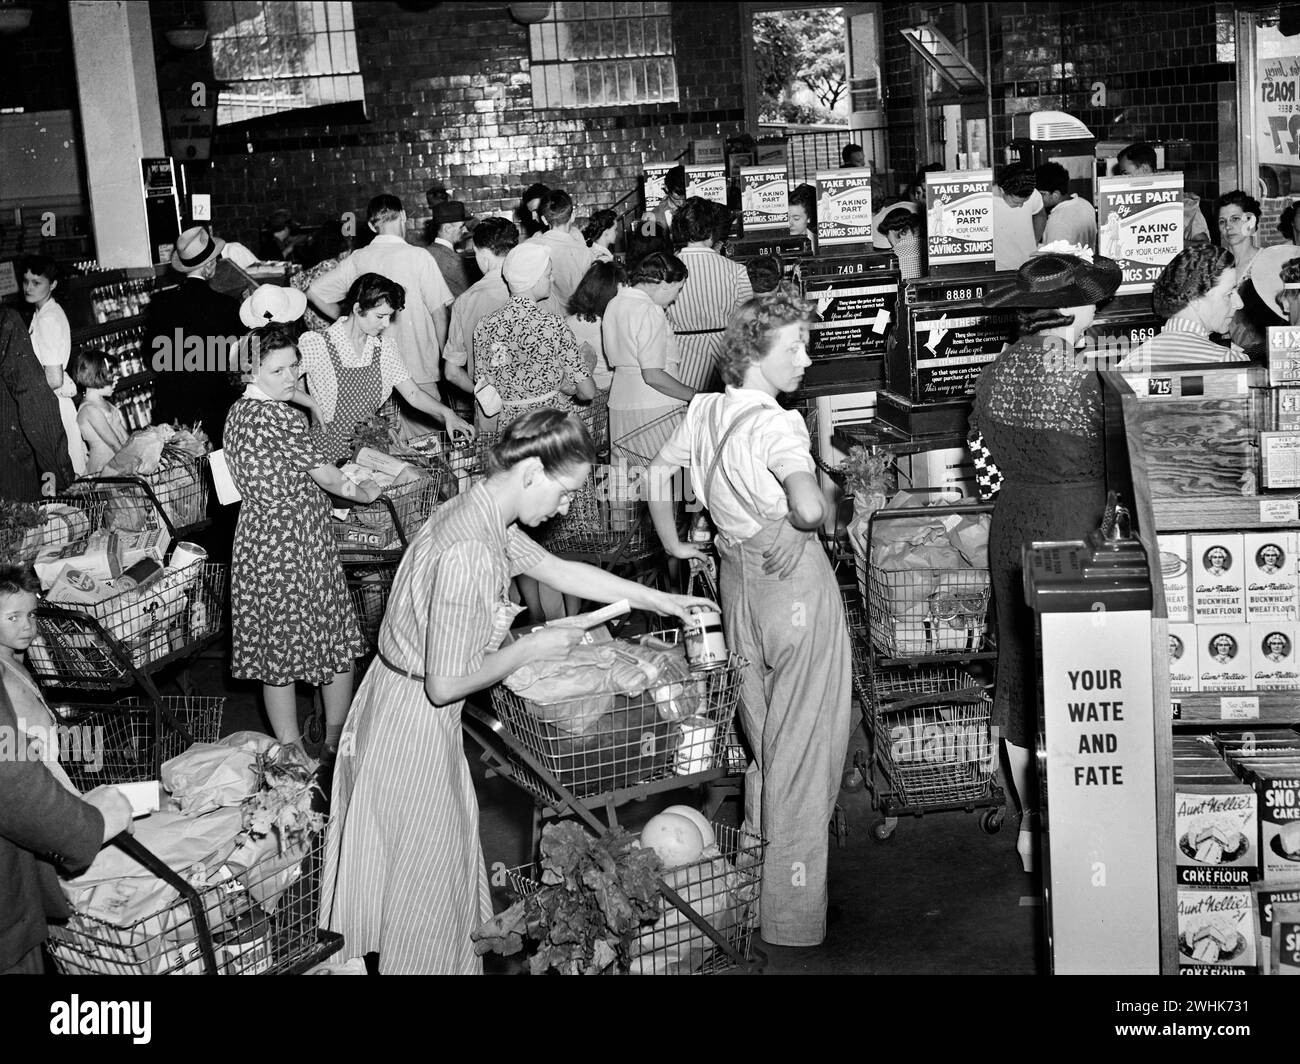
column 52, row 342
column 19, row 588
column 751, row 465
column 99, row 422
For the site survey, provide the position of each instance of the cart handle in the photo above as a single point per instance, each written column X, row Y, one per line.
column 145, row 856
column 963, row 694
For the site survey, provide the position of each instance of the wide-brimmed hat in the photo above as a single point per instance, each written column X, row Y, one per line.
column 272, row 302
column 1266, row 272
column 194, row 249
column 451, row 211
column 1057, row 279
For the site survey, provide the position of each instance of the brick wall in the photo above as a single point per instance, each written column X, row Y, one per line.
column 448, row 99
column 1158, row 62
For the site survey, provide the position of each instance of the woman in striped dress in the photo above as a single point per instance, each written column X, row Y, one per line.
column 715, row 286
column 404, row 872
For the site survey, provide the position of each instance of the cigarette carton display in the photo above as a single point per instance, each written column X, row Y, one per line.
column 1216, row 832
column 1217, row 932
column 1177, row 577
column 1218, row 578
column 1271, row 576
column 1183, row 656
column 1225, row 655
column 1273, row 657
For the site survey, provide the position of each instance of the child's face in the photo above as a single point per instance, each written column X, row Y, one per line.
column 17, row 621
column 36, row 288
column 787, row 357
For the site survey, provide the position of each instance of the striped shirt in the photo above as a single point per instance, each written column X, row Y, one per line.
column 714, row 287
column 1180, row 342
column 404, row 872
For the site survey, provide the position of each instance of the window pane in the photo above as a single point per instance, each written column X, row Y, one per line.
column 607, row 49
column 551, row 49
column 635, row 37
column 573, row 38
column 638, row 73
column 668, row 75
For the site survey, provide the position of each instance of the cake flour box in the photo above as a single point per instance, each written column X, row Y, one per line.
column 1217, row 932
column 1216, row 832
column 1271, row 577
column 1218, row 578
column 1278, row 790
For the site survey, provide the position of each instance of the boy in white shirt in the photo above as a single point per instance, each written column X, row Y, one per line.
column 1068, row 217
column 751, row 465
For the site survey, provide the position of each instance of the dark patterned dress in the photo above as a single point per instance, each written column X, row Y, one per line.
column 1041, row 418
column 291, row 616
column 528, row 354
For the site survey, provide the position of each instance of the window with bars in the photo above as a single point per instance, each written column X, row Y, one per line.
column 277, row 57
column 602, row 55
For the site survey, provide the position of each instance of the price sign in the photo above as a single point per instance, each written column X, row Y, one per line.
column 1278, row 108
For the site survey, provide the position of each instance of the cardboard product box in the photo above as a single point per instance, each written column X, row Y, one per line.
column 1286, row 409
column 1272, row 902
column 1284, row 941
column 1279, row 823
column 1216, row 832
column 1279, row 458
column 1225, row 657
column 1177, row 577
column 1184, row 674
column 1274, row 664
column 1217, row 932
column 1271, row 575
column 1218, row 578
column 1283, row 354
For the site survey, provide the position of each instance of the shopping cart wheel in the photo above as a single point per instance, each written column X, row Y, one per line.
column 883, row 830
column 991, row 821
column 313, row 726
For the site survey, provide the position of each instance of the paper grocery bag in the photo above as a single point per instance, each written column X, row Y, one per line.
column 227, row 493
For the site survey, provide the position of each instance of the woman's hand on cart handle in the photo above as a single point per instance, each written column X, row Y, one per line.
column 114, row 807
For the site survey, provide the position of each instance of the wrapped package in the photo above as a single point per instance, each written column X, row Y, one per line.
column 214, row 775
column 141, row 453
column 63, row 524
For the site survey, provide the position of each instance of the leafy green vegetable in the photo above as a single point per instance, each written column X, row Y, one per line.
column 594, row 898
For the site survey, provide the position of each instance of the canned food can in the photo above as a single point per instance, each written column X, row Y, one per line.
column 187, row 553
column 695, row 754
column 706, row 645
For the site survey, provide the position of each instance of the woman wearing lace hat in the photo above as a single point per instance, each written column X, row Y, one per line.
column 1039, row 411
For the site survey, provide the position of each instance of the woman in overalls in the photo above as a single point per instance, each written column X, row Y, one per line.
column 354, row 366
column 404, row 873
column 751, row 466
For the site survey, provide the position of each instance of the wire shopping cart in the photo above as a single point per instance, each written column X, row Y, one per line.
column 101, row 744
column 917, row 666
column 384, row 528
column 462, row 464
column 254, row 920
column 640, row 446
column 178, row 490
column 666, row 738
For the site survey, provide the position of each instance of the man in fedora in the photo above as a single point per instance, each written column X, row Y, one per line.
column 570, row 256
column 448, row 228
column 193, row 332
column 420, row 328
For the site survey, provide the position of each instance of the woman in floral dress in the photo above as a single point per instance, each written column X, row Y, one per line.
column 291, row 617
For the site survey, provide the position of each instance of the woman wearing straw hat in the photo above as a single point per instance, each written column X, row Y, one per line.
column 1039, row 410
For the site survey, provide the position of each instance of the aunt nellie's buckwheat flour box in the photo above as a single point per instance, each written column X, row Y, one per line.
column 1218, row 578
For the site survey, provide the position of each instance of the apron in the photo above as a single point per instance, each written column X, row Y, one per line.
column 360, row 394
column 796, row 705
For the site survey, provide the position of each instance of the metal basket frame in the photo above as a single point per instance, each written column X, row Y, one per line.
column 169, row 499
column 717, row 693
column 726, row 886
column 398, row 515
column 369, row 586
column 126, row 735
column 607, row 524
column 249, row 939
column 640, row 446
column 947, row 753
